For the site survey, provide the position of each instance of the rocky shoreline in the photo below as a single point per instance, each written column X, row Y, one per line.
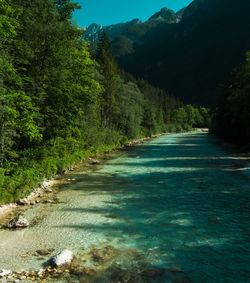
column 106, row 264
column 40, row 194
column 86, row 268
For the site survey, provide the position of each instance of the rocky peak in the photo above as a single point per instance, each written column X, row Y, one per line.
column 166, row 15
column 94, row 31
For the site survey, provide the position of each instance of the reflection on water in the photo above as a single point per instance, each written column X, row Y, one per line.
column 178, row 200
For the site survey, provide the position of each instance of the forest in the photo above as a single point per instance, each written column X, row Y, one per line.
column 60, row 103
column 232, row 115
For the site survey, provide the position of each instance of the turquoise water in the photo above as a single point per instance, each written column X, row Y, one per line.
column 182, row 198
column 179, row 199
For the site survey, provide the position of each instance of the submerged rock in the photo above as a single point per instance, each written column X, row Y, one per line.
column 18, row 222
column 64, row 257
column 182, row 280
column 153, row 272
column 106, row 253
column 44, row 252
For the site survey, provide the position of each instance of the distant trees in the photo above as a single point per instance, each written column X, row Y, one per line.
column 130, row 114
column 189, row 117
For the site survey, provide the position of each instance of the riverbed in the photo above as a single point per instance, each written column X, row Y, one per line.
column 181, row 200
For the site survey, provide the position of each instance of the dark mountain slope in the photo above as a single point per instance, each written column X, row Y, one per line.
column 95, row 31
column 192, row 57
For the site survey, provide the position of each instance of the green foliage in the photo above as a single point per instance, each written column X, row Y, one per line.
column 129, row 118
column 58, row 105
column 109, row 81
column 6, row 131
column 189, row 117
column 232, row 117
column 123, row 45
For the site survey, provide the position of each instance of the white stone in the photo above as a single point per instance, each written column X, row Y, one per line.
column 5, row 272
column 45, row 184
column 64, row 257
column 18, row 222
column 40, row 272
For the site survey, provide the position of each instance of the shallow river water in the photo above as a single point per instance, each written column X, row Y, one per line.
column 179, row 199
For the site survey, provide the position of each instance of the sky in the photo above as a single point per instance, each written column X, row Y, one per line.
column 107, row 12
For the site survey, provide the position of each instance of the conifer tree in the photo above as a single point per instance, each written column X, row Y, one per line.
column 109, row 81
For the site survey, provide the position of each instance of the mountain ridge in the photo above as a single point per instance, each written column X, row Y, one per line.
column 189, row 57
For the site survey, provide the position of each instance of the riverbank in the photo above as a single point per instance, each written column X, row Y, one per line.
column 44, row 192
column 174, row 202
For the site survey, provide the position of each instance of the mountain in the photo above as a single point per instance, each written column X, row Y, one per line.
column 191, row 56
column 188, row 53
column 95, row 31
column 166, row 15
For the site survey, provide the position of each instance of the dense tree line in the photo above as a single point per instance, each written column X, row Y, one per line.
column 59, row 103
column 232, row 117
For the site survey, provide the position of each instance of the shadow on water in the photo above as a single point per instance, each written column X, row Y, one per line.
column 172, row 199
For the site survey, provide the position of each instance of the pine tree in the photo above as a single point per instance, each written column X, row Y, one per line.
column 109, row 81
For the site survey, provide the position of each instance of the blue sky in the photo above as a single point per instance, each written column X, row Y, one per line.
column 108, row 12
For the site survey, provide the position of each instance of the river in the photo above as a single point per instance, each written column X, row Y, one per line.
column 180, row 200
